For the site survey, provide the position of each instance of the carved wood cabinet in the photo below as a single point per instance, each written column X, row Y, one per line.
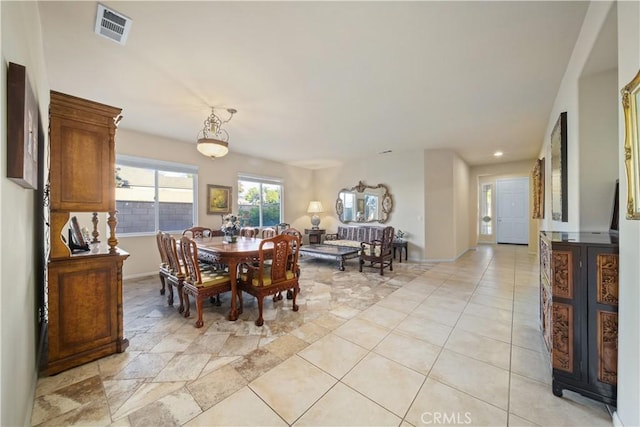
column 579, row 311
column 84, row 288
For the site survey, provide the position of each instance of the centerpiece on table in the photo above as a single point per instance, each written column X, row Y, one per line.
column 230, row 227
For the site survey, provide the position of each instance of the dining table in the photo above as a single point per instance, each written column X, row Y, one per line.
column 218, row 251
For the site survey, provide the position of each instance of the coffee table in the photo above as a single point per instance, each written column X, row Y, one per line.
column 339, row 253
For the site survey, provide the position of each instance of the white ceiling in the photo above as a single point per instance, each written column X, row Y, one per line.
column 317, row 83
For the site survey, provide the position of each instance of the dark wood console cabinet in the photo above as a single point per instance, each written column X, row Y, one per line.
column 579, row 311
column 84, row 290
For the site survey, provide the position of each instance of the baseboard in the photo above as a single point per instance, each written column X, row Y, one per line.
column 139, row 275
column 617, row 422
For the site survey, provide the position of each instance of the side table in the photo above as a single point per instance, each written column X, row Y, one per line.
column 401, row 244
column 315, row 235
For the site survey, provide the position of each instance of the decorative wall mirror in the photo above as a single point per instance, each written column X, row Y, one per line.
column 364, row 203
column 631, row 106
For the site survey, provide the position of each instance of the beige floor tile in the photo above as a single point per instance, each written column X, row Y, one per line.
column 185, row 367
column 547, row 409
column 146, row 365
column 119, row 391
column 342, row 406
column 239, row 345
column 111, row 365
column 401, row 304
column 488, row 312
column 383, row 316
column 486, row 327
column 439, row 404
column 452, row 293
column 286, row 346
column 517, row 421
column 411, row 352
column 436, row 314
column 67, row 399
column 144, row 395
column 207, row 343
column 492, row 291
column 362, row 332
column 427, row 330
column 310, row 332
column 494, row 352
column 173, row 409
column 445, row 303
column 493, row 301
column 292, row 387
column 242, row 408
column 50, row 384
column 528, row 337
column 479, row 379
column 333, row 355
column 212, row 388
column 217, row 362
column 173, row 344
column 421, row 286
column 395, row 386
column 531, row 364
column 256, row 363
column 94, row 413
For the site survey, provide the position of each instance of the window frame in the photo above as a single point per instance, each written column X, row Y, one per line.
column 156, row 166
column 261, row 180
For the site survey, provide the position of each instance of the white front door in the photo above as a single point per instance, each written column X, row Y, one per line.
column 512, row 202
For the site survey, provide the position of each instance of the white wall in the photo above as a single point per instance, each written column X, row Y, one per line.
column 461, row 206
column 628, row 410
column 401, row 172
column 598, row 124
column 298, row 191
column 21, row 44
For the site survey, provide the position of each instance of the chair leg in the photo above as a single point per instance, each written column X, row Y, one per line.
column 260, row 320
column 170, row 296
column 187, row 311
column 295, row 294
column 180, row 286
column 361, row 263
column 162, row 284
column 199, row 322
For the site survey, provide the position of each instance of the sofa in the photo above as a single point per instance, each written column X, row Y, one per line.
column 375, row 243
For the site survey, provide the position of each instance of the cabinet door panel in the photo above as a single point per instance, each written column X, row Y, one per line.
column 85, row 158
column 82, row 305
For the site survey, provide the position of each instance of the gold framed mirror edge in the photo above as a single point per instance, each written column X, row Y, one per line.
column 383, row 204
column 630, row 95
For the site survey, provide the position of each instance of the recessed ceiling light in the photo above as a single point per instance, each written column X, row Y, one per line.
column 498, row 154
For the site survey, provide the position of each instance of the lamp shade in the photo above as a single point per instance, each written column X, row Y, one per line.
column 212, row 147
column 315, row 207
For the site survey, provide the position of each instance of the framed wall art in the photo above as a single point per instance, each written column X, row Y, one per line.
column 218, row 199
column 630, row 102
column 559, row 184
column 537, row 176
column 22, row 129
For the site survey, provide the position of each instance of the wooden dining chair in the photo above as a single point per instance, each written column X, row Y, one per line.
column 164, row 261
column 176, row 275
column 274, row 272
column 250, row 232
column 281, row 227
column 197, row 232
column 268, row 232
column 200, row 282
column 291, row 232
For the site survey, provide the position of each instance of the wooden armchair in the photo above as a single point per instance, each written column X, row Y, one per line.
column 176, row 273
column 197, row 232
column 378, row 252
column 273, row 273
column 164, row 261
column 281, row 227
column 250, row 232
column 200, row 282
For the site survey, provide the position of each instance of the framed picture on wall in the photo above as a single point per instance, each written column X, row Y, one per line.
column 22, row 129
column 218, row 199
column 559, row 184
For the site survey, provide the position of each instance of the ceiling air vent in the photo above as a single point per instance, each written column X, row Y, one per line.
column 112, row 25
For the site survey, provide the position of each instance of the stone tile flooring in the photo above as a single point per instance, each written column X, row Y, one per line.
column 426, row 344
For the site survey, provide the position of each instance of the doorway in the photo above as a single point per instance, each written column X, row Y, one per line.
column 512, row 210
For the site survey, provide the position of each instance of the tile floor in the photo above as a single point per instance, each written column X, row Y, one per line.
column 427, row 344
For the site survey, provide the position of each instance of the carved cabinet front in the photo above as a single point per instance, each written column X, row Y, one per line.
column 579, row 311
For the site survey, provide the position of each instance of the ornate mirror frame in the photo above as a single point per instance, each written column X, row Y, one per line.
column 630, row 103
column 384, row 209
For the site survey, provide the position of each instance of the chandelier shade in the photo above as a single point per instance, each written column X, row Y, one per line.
column 212, row 139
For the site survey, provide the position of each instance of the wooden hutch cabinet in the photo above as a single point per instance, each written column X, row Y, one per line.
column 579, row 311
column 84, row 287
